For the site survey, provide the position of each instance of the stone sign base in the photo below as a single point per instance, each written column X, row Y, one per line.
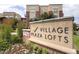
column 54, row 48
column 50, row 50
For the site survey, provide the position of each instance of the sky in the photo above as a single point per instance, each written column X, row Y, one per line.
column 70, row 7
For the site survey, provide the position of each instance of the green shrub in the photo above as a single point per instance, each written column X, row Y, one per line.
column 5, row 32
column 74, row 32
column 4, row 45
column 19, row 31
column 44, row 51
column 15, row 39
column 34, row 48
column 39, row 50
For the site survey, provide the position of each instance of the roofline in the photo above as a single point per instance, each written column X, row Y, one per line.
column 33, row 5
column 55, row 4
column 42, row 5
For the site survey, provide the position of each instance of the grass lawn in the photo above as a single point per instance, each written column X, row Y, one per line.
column 76, row 41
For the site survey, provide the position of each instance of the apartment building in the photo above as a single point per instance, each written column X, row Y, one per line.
column 1, row 15
column 34, row 11
column 10, row 15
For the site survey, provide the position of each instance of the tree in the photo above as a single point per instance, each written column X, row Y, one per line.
column 74, row 26
column 45, row 15
column 22, row 24
column 51, row 15
column 14, row 24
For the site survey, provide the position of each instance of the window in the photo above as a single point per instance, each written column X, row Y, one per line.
column 55, row 10
column 32, row 14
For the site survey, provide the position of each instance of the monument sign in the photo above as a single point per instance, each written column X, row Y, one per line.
column 55, row 33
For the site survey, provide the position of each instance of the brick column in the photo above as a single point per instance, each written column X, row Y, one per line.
column 27, row 14
column 50, row 12
column 61, row 14
column 37, row 13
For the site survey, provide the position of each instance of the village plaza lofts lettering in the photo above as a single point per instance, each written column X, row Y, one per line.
column 52, row 33
column 59, row 30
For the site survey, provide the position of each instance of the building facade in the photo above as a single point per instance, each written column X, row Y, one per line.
column 10, row 15
column 34, row 11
